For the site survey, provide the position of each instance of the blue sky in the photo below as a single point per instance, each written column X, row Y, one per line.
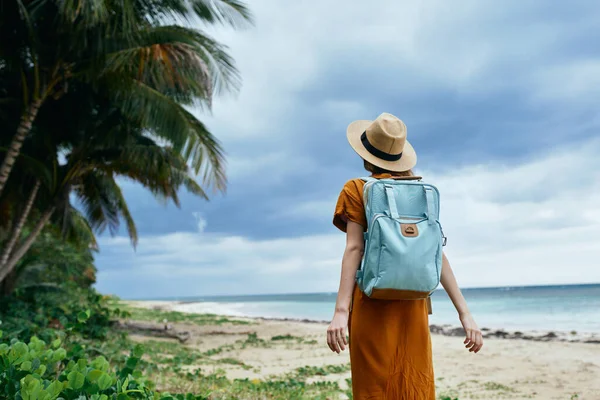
column 500, row 100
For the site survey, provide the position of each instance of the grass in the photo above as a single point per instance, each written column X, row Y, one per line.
column 298, row 339
column 498, row 387
column 234, row 361
column 253, row 341
column 219, row 350
column 288, row 388
column 309, row 371
column 447, row 395
column 147, row 314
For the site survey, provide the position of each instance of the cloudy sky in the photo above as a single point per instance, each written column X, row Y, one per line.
column 501, row 103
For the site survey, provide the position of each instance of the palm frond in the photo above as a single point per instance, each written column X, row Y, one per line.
column 182, row 62
column 88, row 13
column 124, row 210
column 227, row 12
column 79, row 232
column 168, row 120
column 103, row 203
column 160, row 169
column 224, row 73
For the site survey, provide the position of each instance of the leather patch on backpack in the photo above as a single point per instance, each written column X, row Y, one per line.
column 409, row 230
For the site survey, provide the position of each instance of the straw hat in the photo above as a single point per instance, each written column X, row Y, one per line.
column 382, row 143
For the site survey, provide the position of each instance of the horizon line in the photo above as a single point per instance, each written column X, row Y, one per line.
column 440, row 288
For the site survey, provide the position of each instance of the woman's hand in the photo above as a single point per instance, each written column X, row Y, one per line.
column 474, row 339
column 336, row 332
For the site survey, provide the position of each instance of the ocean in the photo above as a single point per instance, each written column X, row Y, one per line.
column 563, row 308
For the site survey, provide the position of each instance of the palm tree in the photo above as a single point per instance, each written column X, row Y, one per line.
column 136, row 75
column 54, row 259
column 151, row 69
column 103, row 144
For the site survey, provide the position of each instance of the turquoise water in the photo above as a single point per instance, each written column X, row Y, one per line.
column 558, row 308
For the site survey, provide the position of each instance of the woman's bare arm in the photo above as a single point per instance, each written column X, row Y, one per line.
column 451, row 286
column 350, row 263
column 474, row 339
column 336, row 333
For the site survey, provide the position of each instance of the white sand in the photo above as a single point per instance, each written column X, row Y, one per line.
column 504, row 369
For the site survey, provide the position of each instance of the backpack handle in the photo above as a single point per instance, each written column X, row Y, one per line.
column 389, row 191
column 430, row 205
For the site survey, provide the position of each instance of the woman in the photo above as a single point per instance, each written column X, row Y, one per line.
column 390, row 345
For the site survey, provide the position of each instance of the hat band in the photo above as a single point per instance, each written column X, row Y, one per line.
column 376, row 152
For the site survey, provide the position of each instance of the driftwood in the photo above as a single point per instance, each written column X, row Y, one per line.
column 544, row 336
column 234, row 333
column 152, row 329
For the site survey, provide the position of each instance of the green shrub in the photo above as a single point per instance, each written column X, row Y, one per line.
column 43, row 313
column 38, row 371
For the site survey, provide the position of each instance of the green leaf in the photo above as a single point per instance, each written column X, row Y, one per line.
column 44, row 395
column 76, row 380
column 54, row 389
column 132, row 362
column 59, row 355
column 94, row 375
column 56, row 343
column 17, row 351
column 30, row 388
column 36, row 344
column 41, row 370
column 100, row 363
column 82, row 317
column 35, row 365
column 26, row 366
column 123, row 396
column 104, row 381
column 138, row 351
column 82, row 364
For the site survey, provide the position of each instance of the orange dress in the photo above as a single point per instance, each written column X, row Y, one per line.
column 390, row 344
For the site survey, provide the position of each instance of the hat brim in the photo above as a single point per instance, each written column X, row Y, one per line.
column 406, row 162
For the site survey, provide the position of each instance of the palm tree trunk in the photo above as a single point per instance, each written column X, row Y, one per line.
column 19, row 225
column 17, row 141
column 17, row 255
column 7, row 286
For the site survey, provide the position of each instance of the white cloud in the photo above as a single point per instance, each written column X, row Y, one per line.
column 181, row 264
column 532, row 223
column 201, row 222
column 466, row 47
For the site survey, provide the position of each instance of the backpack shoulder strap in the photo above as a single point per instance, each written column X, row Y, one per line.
column 367, row 180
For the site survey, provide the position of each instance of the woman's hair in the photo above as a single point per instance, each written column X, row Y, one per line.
column 376, row 170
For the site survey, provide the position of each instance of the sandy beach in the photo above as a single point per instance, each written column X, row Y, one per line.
column 513, row 368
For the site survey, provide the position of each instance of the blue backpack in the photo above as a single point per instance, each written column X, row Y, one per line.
column 404, row 239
